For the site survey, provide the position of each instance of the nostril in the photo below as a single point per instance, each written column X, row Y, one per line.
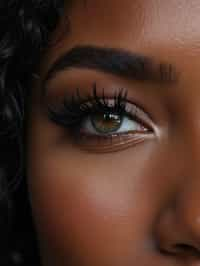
column 178, row 234
column 185, row 250
column 182, row 250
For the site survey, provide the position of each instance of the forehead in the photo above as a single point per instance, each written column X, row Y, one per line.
column 167, row 30
column 133, row 20
column 139, row 25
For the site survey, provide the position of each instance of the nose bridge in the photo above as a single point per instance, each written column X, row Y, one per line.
column 188, row 196
column 188, row 137
column 178, row 229
column 187, row 204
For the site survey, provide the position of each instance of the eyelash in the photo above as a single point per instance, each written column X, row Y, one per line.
column 72, row 112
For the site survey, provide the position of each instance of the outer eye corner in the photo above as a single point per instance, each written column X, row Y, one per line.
column 106, row 126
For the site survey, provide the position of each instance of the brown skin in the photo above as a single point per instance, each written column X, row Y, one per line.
column 136, row 205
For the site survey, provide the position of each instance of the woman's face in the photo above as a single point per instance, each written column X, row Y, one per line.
column 116, row 182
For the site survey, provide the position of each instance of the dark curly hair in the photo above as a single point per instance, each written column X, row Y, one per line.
column 25, row 26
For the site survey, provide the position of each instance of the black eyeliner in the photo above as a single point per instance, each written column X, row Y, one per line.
column 73, row 111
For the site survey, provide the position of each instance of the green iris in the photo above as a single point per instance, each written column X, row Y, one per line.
column 106, row 123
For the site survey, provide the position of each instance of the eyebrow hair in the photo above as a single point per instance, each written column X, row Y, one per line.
column 114, row 61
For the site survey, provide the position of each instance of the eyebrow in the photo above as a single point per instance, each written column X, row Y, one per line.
column 114, row 61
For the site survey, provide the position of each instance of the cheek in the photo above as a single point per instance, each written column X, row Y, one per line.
column 85, row 204
column 94, row 207
column 80, row 206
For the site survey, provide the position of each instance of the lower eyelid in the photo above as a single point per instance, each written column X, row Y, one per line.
column 102, row 144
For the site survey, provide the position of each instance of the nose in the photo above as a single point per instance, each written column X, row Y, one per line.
column 178, row 228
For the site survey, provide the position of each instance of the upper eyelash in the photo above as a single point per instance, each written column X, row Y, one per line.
column 74, row 110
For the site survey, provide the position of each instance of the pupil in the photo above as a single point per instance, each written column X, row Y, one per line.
column 106, row 123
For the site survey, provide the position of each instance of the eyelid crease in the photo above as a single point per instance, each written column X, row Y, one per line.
column 73, row 110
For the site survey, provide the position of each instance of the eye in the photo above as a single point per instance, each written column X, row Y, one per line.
column 101, row 124
column 110, row 123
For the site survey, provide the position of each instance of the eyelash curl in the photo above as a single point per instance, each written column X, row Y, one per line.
column 73, row 111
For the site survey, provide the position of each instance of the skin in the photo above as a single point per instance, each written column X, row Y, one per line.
column 137, row 205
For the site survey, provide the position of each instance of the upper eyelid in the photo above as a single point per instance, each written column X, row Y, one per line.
column 121, row 93
column 139, row 114
column 109, row 84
